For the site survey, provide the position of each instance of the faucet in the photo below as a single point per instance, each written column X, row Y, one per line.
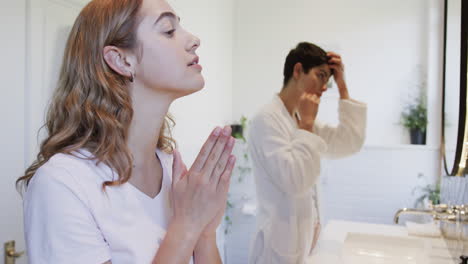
column 413, row 212
column 441, row 212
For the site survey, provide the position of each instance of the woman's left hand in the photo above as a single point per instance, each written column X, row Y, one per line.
column 210, row 229
column 336, row 64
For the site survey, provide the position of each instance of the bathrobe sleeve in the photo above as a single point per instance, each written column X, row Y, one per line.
column 348, row 137
column 293, row 163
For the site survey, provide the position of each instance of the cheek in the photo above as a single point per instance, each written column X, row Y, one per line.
column 160, row 68
column 312, row 82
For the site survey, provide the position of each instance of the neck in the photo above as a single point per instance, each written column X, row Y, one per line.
column 149, row 111
column 289, row 97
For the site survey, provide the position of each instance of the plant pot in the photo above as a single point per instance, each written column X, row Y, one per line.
column 237, row 131
column 418, row 137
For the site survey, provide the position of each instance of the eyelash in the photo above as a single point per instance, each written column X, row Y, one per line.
column 170, row 32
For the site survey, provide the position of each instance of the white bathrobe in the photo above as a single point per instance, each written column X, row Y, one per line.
column 286, row 163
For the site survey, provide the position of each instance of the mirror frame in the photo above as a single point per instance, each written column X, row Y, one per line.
column 458, row 168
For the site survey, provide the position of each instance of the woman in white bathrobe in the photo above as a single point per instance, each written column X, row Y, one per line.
column 287, row 144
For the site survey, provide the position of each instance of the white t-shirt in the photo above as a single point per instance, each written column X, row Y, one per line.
column 69, row 219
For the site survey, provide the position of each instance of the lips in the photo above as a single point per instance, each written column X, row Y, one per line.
column 194, row 61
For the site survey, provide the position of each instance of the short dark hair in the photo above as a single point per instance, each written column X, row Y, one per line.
column 308, row 54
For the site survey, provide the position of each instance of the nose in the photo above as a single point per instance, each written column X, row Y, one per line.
column 194, row 43
column 324, row 88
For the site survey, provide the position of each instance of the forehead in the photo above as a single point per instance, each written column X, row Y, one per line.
column 323, row 67
column 154, row 8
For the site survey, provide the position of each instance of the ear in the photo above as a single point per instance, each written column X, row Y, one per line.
column 118, row 61
column 297, row 71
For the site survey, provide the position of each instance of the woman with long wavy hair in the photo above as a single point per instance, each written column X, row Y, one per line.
column 108, row 185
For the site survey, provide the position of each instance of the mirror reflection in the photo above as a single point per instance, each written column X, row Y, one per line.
column 235, row 131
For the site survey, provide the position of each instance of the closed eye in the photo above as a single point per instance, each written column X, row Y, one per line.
column 170, row 32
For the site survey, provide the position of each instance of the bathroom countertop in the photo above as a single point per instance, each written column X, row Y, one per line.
column 330, row 246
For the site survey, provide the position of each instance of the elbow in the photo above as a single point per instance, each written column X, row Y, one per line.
column 351, row 146
column 359, row 143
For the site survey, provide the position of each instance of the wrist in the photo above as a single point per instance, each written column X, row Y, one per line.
column 344, row 95
column 207, row 238
column 343, row 89
column 187, row 231
column 181, row 238
column 307, row 125
column 205, row 241
column 208, row 235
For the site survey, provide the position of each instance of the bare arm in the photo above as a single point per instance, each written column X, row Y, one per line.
column 206, row 251
column 178, row 244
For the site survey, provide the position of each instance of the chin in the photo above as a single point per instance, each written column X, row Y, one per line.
column 197, row 85
column 192, row 88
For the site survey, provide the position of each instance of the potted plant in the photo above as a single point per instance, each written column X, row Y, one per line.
column 414, row 117
column 241, row 171
column 238, row 129
column 430, row 192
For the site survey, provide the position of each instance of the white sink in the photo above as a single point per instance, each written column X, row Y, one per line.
column 364, row 243
column 379, row 249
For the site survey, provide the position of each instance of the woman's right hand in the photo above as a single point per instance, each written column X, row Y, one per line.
column 308, row 109
column 198, row 194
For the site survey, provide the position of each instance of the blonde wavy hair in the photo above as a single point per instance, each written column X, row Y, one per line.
column 92, row 107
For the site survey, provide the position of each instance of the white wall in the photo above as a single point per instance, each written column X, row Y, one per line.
column 373, row 184
column 385, row 46
column 196, row 115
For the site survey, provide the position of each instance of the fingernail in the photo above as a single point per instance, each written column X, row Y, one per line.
column 217, row 131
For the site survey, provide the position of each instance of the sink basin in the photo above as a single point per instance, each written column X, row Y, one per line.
column 380, row 244
column 379, row 249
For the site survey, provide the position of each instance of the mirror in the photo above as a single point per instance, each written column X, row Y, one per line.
column 455, row 87
column 392, row 52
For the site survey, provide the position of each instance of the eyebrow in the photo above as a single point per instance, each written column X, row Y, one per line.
column 166, row 14
column 326, row 73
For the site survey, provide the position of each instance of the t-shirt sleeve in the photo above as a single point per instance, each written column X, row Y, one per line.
column 59, row 225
